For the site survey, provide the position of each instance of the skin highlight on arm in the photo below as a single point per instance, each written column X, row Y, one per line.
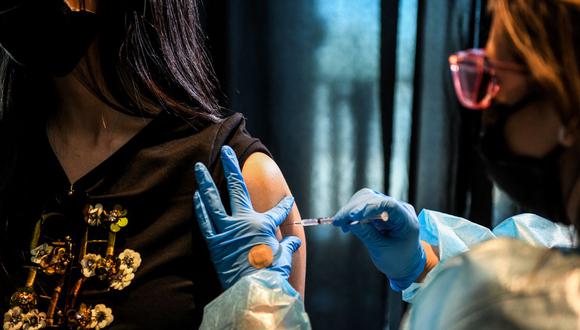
column 267, row 187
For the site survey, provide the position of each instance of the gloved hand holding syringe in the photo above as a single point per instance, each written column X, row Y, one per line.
column 245, row 242
column 330, row 220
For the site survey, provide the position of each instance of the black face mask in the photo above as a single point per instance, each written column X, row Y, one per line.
column 534, row 183
column 45, row 35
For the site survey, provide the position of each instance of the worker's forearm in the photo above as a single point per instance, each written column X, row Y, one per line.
column 432, row 260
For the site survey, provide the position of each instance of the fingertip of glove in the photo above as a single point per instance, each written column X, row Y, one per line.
column 199, row 169
column 228, row 155
column 293, row 242
column 339, row 219
column 297, row 240
column 227, row 150
column 201, row 173
column 289, row 201
column 230, row 159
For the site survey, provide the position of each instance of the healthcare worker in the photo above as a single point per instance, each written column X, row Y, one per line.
column 527, row 79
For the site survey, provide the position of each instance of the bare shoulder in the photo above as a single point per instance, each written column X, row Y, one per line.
column 267, row 187
column 265, row 181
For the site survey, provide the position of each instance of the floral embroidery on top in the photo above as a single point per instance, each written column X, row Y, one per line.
column 95, row 215
column 119, row 272
column 116, row 218
column 52, row 259
column 16, row 319
column 96, row 318
column 101, row 317
column 129, row 259
column 89, row 264
column 25, row 298
column 40, row 253
column 59, row 259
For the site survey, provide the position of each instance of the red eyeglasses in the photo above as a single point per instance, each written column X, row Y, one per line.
column 474, row 77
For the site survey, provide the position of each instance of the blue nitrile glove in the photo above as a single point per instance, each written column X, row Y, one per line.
column 394, row 244
column 230, row 238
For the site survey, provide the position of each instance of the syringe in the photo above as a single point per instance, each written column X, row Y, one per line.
column 329, row 220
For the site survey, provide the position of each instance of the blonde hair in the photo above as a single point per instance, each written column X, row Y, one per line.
column 545, row 34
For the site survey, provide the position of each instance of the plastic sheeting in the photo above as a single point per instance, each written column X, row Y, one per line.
column 262, row 300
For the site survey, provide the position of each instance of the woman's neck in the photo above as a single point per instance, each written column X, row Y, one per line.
column 84, row 131
column 83, row 113
column 570, row 180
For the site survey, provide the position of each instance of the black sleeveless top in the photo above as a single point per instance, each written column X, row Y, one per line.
column 151, row 177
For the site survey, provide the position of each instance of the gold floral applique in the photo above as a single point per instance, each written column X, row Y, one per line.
column 116, row 219
column 119, row 272
column 59, row 259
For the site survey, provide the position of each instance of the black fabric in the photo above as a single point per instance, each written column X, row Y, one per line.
column 152, row 177
column 446, row 171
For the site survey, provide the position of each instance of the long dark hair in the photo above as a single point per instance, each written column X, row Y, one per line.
column 151, row 58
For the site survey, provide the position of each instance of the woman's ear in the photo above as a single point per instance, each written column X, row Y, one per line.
column 82, row 5
column 569, row 134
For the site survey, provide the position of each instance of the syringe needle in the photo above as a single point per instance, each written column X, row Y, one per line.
column 329, row 220
column 315, row 222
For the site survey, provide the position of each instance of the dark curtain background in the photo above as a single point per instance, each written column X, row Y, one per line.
column 447, row 174
column 318, row 88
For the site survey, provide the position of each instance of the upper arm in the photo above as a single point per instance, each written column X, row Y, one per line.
column 267, row 187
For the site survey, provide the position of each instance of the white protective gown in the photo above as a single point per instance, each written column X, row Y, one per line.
column 502, row 283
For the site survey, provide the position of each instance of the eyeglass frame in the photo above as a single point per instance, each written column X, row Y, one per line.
column 483, row 65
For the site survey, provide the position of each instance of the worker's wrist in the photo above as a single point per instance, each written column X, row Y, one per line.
column 432, row 259
column 412, row 272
